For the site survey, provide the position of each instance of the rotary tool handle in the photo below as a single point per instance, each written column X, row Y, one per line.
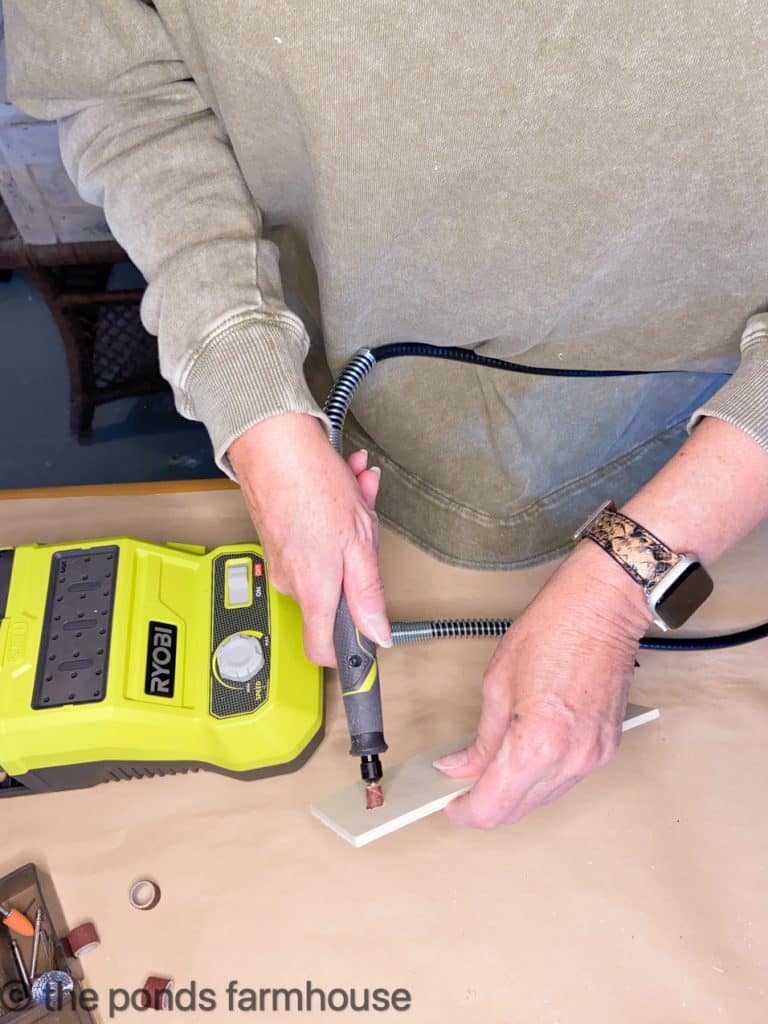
column 360, row 688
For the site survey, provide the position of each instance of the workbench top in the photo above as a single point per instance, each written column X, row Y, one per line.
column 641, row 896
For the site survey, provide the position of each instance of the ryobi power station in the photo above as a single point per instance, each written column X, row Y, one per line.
column 121, row 659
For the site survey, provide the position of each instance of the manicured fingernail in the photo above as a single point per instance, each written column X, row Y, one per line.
column 380, row 634
column 364, row 451
column 457, row 760
column 376, row 470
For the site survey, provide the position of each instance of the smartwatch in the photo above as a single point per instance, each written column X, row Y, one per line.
column 675, row 585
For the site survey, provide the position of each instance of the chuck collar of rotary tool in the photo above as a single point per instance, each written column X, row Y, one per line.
column 370, row 768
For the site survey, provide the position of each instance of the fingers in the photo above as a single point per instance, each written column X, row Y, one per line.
column 365, row 591
column 540, row 796
column 358, row 461
column 317, row 590
column 537, row 761
column 318, row 595
column 495, row 718
column 319, row 599
column 501, row 787
column 484, row 815
column 362, row 581
column 318, row 634
column 367, row 479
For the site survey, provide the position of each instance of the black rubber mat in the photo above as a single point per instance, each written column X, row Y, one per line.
column 74, row 649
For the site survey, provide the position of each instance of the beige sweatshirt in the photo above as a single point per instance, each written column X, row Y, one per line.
column 577, row 184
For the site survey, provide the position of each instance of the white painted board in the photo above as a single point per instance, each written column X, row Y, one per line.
column 412, row 790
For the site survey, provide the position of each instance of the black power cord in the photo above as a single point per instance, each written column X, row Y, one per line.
column 337, row 406
column 395, row 349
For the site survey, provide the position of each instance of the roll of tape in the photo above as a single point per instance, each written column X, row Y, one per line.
column 83, row 939
column 156, row 993
column 144, row 894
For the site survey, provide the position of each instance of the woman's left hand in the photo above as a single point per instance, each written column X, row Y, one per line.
column 554, row 694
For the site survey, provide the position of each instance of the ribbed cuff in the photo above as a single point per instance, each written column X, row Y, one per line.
column 743, row 401
column 243, row 374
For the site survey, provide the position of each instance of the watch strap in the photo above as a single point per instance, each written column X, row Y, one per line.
column 638, row 551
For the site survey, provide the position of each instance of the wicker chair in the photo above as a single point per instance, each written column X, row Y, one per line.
column 109, row 354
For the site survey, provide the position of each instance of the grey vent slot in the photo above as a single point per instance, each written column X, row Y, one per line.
column 74, row 650
column 6, row 565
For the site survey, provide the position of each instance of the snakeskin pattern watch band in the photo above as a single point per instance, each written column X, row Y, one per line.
column 636, row 549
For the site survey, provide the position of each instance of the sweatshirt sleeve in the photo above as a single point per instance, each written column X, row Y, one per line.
column 743, row 400
column 138, row 138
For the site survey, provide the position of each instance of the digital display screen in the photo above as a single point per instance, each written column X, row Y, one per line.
column 684, row 596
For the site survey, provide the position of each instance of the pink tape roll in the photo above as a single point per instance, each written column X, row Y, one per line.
column 144, row 894
column 156, row 993
column 83, row 939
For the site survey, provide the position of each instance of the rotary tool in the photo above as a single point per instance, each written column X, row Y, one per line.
column 358, row 669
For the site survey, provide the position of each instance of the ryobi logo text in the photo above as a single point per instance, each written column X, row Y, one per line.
column 160, row 679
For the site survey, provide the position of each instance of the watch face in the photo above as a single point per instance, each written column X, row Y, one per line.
column 689, row 591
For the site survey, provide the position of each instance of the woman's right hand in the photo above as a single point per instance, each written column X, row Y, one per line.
column 314, row 514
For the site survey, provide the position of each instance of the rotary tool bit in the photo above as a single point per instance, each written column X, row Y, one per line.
column 36, row 942
column 16, row 922
column 21, row 967
column 374, row 797
column 359, row 677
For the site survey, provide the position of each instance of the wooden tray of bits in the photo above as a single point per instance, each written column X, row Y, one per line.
column 27, row 890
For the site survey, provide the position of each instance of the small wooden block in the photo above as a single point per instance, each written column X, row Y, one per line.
column 412, row 790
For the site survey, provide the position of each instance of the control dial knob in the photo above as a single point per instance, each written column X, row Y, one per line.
column 239, row 658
